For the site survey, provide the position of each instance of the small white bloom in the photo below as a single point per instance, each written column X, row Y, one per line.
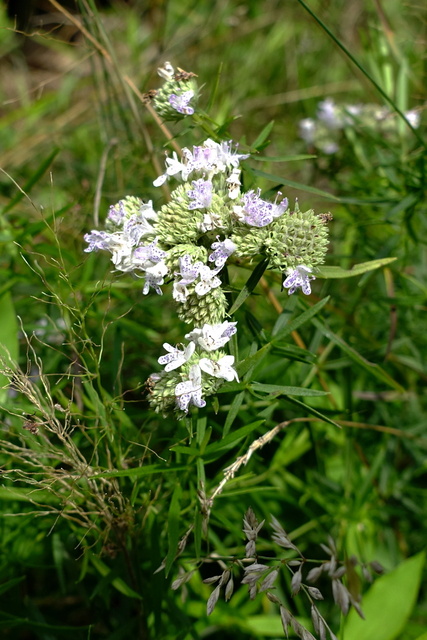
column 307, row 130
column 180, row 292
column 222, row 251
column 208, row 280
column 234, row 183
column 222, row 368
column 210, row 221
column 299, row 277
column 212, row 336
column 154, row 277
column 176, row 357
column 413, row 117
column 190, row 391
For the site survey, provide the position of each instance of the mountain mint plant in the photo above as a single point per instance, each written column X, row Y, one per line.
column 184, row 247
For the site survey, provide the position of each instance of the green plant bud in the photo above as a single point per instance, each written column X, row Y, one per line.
column 177, row 98
column 207, row 309
column 180, row 250
column 176, row 222
column 161, row 391
column 294, row 238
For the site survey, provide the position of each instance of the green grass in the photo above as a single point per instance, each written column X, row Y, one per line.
column 97, row 490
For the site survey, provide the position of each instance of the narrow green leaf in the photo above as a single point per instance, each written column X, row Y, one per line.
column 285, row 158
column 10, row 584
column 173, row 527
column 9, row 344
column 138, row 472
column 374, row 369
column 253, row 360
column 290, row 183
column 388, row 603
column 356, row 270
column 188, row 451
column 250, row 285
column 117, row 583
column 300, row 320
column 232, row 438
column 233, row 411
column 262, row 137
column 311, row 411
column 31, row 181
column 278, row 390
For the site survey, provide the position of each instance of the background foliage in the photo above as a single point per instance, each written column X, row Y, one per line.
column 97, row 491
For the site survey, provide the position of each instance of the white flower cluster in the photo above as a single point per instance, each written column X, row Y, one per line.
column 210, row 338
column 188, row 243
column 322, row 131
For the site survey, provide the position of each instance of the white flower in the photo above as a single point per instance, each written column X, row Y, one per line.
column 222, row 368
column 208, row 280
column 176, row 357
column 299, row 277
column 222, row 251
column 234, row 183
column 173, row 167
column 190, row 391
column 180, row 292
column 212, row 336
column 154, row 277
column 307, row 130
column 413, row 117
column 210, row 221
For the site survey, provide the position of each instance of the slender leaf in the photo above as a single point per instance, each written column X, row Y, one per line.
column 356, row 270
column 279, row 390
column 250, row 285
column 300, row 320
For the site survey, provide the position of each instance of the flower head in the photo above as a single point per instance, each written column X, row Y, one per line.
column 258, row 212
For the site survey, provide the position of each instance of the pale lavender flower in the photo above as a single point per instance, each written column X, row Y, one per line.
column 258, row 212
column 149, row 254
column 212, row 336
column 176, row 357
column 181, row 102
column 154, row 277
column 329, row 114
column 187, row 270
column 207, row 159
column 190, row 391
column 222, row 368
column 222, row 251
column 208, row 280
column 201, row 194
column 299, row 277
column 97, row 241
